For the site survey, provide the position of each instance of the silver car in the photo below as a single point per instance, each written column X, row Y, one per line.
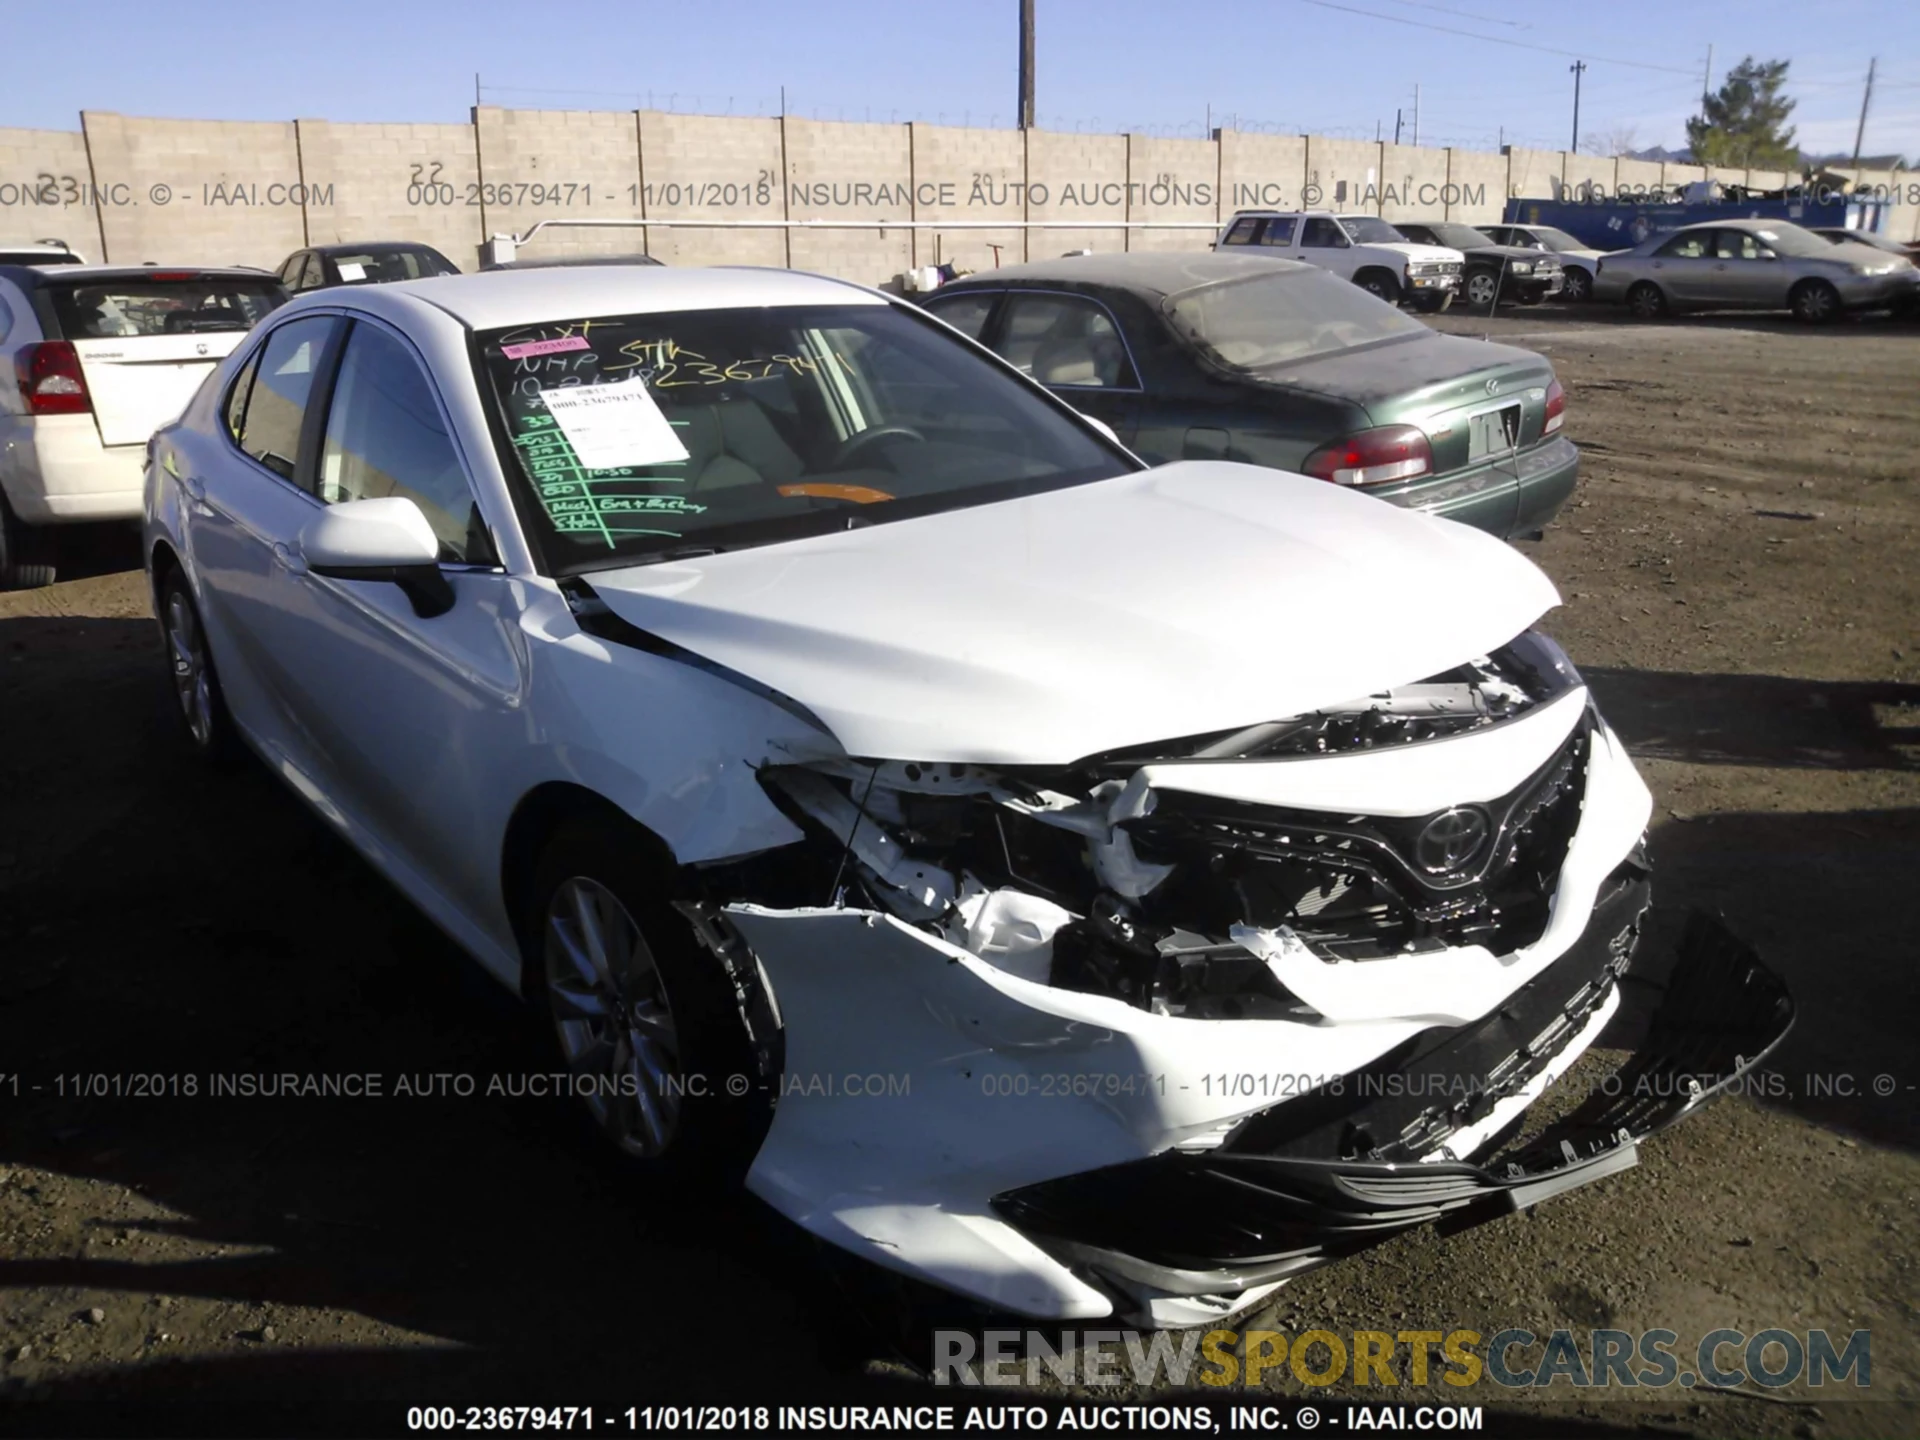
column 1754, row 265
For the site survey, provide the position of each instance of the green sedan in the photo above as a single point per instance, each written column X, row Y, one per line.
column 1272, row 362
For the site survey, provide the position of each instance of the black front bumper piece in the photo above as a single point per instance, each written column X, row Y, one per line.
column 1223, row 1221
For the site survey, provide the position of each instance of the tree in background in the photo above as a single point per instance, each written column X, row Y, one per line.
column 1746, row 122
column 1620, row 140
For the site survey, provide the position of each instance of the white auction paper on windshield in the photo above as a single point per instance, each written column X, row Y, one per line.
column 611, row 426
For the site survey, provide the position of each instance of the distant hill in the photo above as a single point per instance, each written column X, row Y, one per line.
column 1684, row 156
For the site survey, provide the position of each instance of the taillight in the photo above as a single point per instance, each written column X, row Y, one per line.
column 50, row 379
column 1556, row 408
column 1373, row 457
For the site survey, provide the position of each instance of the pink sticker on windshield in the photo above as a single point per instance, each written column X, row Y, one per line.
column 544, row 347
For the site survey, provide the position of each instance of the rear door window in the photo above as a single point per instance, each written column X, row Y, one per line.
column 276, row 408
column 1064, row 340
column 385, row 437
column 1279, row 231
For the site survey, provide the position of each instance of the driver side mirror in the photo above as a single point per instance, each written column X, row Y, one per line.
column 384, row 539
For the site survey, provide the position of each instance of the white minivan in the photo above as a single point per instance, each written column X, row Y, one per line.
column 101, row 356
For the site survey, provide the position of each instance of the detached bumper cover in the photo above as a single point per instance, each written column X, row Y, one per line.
column 1257, row 1211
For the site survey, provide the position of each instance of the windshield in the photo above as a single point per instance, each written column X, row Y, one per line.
column 1366, row 230
column 1556, row 240
column 378, row 267
column 162, row 305
column 1459, row 237
column 647, row 436
column 1793, row 240
column 1267, row 320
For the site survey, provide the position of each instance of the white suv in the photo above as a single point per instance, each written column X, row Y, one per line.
column 1362, row 248
column 101, row 356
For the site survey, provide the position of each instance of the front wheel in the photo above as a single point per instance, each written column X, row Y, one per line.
column 196, row 687
column 1814, row 302
column 1576, row 286
column 647, row 1022
column 1380, row 285
column 26, row 561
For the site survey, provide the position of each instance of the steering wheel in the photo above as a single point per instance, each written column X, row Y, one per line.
column 866, row 439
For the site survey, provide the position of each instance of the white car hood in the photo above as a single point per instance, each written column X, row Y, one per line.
column 1195, row 597
column 1413, row 250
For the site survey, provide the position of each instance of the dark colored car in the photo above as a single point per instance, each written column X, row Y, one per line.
column 378, row 263
column 1840, row 236
column 1274, row 362
column 1495, row 272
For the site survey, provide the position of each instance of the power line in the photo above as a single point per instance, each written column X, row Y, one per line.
column 1492, row 39
column 1463, row 14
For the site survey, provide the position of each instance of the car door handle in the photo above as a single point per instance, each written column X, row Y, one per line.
column 288, row 559
column 195, row 487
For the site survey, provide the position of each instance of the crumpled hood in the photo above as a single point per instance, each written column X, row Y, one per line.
column 1195, row 597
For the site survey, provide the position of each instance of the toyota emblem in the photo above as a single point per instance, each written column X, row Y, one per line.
column 1451, row 839
column 200, row 349
column 1493, row 387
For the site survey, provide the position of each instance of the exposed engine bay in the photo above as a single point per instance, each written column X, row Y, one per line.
column 1094, row 879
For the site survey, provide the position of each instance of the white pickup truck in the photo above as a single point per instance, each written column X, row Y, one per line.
column 1363, row 248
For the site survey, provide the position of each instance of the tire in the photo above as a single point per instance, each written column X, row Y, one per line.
column 26, row 553
column 199, row 702
column 1482, row 289
column 624, row 992
column 1380, row 285
column 1577, row 286
column 1434, row 304
column 1647, row 301
column 1815, row 302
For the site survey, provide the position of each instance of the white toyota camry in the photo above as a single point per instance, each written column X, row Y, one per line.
column 1089, row 888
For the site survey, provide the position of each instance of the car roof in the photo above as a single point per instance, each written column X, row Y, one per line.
column 50, row 274
column 495, row 299
column 372, row 247
column 1151, row 273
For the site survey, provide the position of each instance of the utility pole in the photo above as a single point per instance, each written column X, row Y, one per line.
column 1416, row 114
column 1396, row 124
column 1578, row 68
column 1861, row 134
column 1706, row 84
column 1026, row 64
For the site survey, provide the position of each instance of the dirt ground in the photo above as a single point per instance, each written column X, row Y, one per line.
column 1741, row 570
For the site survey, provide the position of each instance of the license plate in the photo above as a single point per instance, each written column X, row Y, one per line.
column 1493, row 433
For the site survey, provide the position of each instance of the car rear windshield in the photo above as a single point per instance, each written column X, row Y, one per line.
column 113, row 308
column 379, row 267
column 1556, row 240
column 641, row 437
column 1268, row 320
column 1366, row 230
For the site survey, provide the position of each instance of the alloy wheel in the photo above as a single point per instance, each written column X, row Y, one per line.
column 1576, row 286
column 1816, row 302
column 1481, row 288
column 192, row 682
column 611, row 1014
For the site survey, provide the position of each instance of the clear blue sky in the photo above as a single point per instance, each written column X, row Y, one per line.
column 1161, row 67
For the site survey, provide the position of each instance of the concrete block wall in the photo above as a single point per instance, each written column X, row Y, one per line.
column 556, row 165
column 968, row 175
column 1173, row 182
column 202, row 191
column 221, row 192
column 713, row 167
column 1343, row 175
column 392, row 182
column 46, row 189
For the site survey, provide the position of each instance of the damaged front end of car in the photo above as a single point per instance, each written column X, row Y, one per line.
column 1164, row 1027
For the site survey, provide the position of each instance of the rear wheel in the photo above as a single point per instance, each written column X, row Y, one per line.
column 647, row 1022
column 1482, row 289
column 1380, row 285
column 1647, row 301
column 26, row 553
column 1577, row 285
column 1814, row 302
